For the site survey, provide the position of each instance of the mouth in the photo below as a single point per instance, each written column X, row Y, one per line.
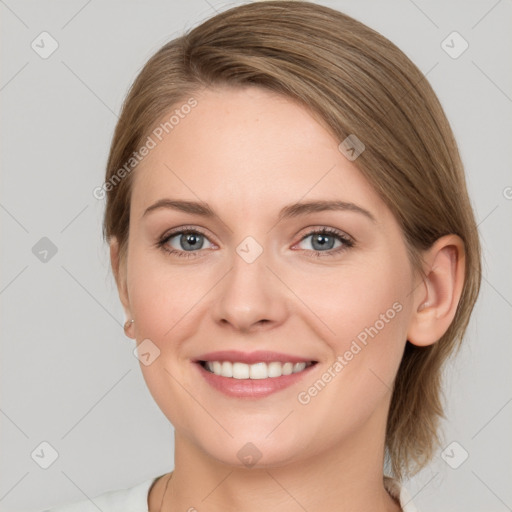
column 256, row 371
column 252, row 375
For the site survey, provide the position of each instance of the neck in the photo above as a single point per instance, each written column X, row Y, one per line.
column 345, row 478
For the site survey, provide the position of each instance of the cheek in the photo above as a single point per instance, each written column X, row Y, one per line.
column 162, row 299
column 366, row 310
column 356, row 301
column 162, row 295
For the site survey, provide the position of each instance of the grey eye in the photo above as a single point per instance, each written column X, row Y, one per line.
column 321, row 241
column 187, row 241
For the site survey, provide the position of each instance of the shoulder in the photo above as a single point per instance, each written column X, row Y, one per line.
column 132, row 499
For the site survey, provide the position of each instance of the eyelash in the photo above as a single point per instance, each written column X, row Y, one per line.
column 347, row 242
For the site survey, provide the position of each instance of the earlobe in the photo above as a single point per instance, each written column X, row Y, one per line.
column 119, row 270
column 437, row 298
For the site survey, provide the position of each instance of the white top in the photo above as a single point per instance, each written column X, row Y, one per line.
column 135, row 499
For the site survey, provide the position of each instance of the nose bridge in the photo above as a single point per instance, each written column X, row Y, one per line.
column 250, row 292
column 248, row 278
column 249, row 249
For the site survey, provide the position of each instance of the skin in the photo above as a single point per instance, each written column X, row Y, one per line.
column 247, row 153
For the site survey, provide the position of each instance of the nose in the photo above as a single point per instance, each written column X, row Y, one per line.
column 251, row 297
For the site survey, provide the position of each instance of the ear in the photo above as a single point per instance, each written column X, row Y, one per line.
column 437, row 297
column 119, row 270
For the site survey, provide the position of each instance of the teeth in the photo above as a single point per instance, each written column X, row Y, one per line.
column 241, row 371
column 254, row 371
column 257, row 371
column 287, row 368
column 226, row 369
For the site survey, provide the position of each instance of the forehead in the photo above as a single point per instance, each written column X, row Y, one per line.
column 249, row 147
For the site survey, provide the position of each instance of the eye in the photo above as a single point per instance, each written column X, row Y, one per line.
column 187, row 242
column 323, row 242
column 184, row 243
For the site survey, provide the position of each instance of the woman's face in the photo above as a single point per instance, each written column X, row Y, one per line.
column 255, row 277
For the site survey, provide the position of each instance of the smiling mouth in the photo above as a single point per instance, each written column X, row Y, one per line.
column 256, row 371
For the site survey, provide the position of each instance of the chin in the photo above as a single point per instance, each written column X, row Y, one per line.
column 253, row 455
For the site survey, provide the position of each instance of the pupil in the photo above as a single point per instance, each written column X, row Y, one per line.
column 323, row 241
column 192, row 240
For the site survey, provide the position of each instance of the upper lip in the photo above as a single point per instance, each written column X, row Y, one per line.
column 252, row 357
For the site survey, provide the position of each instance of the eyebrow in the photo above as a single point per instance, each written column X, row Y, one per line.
column 289, row 211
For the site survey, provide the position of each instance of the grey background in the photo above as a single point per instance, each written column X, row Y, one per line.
column 68, row 375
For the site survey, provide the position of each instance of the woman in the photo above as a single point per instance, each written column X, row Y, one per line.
column 297, row 256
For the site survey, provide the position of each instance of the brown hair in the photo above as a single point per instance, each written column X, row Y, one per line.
column 354, row 81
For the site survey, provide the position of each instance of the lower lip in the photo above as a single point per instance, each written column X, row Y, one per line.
column 251, row 388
